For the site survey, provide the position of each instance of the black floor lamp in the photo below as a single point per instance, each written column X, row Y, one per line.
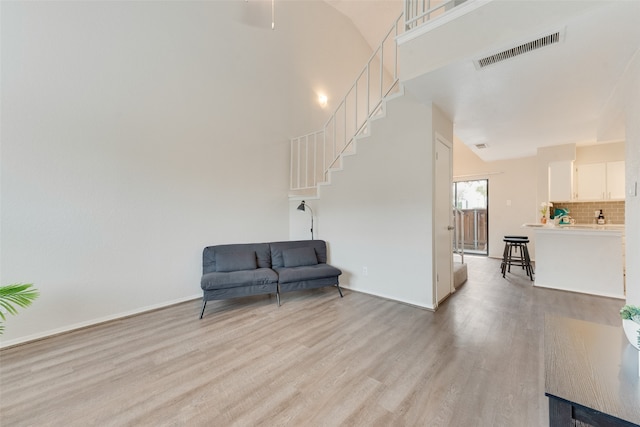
column 302, row 207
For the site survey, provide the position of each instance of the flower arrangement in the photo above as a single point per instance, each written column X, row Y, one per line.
column 631, row 313
column 544, row 206
column 543, row 210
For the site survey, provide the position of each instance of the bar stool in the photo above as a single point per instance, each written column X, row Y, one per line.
column 516, row 253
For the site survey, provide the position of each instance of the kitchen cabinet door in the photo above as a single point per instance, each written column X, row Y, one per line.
column 615, row 180
column 561, row 181
column 591, row 180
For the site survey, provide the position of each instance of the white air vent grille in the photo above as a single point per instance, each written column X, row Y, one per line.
column 481, row 146
column 519, row 50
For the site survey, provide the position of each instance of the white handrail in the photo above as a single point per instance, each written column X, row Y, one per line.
column 458, row 233
column 350, row 117
column 357, row 107
column 300, row 169
column 418, row 12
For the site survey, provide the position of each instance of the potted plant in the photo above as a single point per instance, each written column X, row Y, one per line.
column 18, row 294
column 631, row 323
column 544, row 207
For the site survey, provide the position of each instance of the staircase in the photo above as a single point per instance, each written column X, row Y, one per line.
column 315, row 156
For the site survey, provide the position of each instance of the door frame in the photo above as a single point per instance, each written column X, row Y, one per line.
column 486, row 230
column 435, row 245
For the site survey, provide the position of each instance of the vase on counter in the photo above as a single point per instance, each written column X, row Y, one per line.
column 545, row 210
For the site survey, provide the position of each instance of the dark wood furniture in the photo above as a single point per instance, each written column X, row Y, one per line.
column 591, row 374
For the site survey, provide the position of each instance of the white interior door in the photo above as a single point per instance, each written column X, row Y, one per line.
column 443, row 219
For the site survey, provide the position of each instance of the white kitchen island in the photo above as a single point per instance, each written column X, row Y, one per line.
column 581, row 258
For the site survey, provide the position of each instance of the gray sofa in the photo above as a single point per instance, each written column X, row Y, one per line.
column 230, row 271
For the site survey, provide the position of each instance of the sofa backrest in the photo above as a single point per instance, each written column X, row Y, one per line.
column 214, row 256
column 277, row 249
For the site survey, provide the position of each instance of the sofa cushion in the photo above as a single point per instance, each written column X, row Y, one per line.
column 309, row 272
column 263, row 254
column 236, row 261
column 277, row 249
column 298, row 257
column 234, row 279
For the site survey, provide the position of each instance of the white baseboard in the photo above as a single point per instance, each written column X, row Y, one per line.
column 406, row 302
column 93, row 322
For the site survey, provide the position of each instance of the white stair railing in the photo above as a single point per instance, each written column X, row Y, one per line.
column 458, row 233
column 314, row 154
column 418, row 12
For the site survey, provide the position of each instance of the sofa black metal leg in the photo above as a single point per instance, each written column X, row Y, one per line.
column 339, row 290
column 204, row 304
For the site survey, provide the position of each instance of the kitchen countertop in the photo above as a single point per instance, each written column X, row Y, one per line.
column 577, row 228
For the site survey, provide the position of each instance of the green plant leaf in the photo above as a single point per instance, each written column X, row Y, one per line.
column 630, row 312
column 13, row 296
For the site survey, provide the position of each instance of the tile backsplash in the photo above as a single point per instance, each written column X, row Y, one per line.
column 583, row 212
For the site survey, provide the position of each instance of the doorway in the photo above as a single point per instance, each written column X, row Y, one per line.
column 471, row 198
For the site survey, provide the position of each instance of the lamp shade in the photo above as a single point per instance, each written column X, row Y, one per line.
column 301, row 206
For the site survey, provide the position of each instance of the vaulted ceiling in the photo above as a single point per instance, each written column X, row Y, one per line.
column 372, row 18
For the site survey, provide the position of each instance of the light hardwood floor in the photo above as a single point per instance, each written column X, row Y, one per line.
column 318, row 360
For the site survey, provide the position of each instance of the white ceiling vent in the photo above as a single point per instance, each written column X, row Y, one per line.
column 481, row 146
column 541, row 42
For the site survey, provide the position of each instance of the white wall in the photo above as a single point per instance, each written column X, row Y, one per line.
column 377, row 213
column 512, row 189
column 631, row 88
column 136, row 133
column 611, row 152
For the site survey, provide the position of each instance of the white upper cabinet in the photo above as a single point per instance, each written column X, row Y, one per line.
column 591, row 181
column 600, row 181
column 561, row 181
column 615, row 180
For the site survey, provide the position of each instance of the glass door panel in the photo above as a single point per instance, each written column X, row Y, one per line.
column 471, row 197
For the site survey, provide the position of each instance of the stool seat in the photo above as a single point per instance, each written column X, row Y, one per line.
column 516, row 253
